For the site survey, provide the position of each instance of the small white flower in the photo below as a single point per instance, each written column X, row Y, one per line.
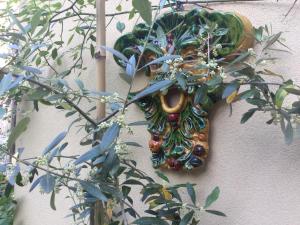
column 218, row 46
column 251, row 51
column 42, row 161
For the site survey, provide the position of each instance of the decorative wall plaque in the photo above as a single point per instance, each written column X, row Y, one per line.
column 178, row 116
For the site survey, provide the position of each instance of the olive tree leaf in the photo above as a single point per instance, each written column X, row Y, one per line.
column 272, row 39
column 162, row 176
column 130, row 66
column 35, row 183
column 153, row 88
column 162, row 38
column 280, row 95
column 52, row 201
column 150, row 221
column 289, row 133
column 17, row 22
column 110, row 136
column 217, row 213
column 248, row 115
column 55, row 142
column 5, row 83
column 240, row 58
column 144, row 8
column 115, row 53
column 47, row 183
column 191, row 192
column 212, row 197
column 35, row 21
column 187, row 217
column 31, row 69
column 17, row 131
column 93, row 190
column 89, row 155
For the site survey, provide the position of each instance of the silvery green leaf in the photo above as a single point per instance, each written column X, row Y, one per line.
column 17, row 131
column 35, row 21
column 12, row 177
column 150, row 221
column 16, row 82
column 89, row 155
column 217, row 213
column 109, row 136
column 187, row 217
column 93, row 190
column 80, row 84
column 55, row 142
column 214, row 195
column 47, row 183
column 115, row 53
column 31, row 69
column 191, row 192
column 52, row 201
column 162, row 176
column 248, row 115
column 289, row 133
column 272, row 39
column 99, row 160
column 144, row 8
column 153, row 88
column 161, row 36
column 17, row 22
column 35, row 183
column 5, row 83
column 130, row 66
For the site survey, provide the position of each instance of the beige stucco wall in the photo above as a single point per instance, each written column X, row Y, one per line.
column 259, row 176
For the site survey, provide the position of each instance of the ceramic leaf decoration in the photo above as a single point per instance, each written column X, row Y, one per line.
column 201, row 43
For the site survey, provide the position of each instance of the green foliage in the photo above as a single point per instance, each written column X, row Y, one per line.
column 17, row 131
column 7, row 204
column 144, row 8
column 30, row 34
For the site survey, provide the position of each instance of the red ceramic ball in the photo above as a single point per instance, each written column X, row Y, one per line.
column 173, row 117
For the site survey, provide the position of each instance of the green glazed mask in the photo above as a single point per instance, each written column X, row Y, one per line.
column 200, row 42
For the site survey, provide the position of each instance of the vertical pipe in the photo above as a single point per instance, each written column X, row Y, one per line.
column 101, row 56
column 98, row 213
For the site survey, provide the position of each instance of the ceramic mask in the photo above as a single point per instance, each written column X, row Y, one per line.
column 178, row 115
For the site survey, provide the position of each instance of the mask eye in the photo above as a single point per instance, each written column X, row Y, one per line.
column 190, row 58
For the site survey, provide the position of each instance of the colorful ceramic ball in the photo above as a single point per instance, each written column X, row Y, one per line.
column 173, row 117
column 154, row 146
column 199, row 150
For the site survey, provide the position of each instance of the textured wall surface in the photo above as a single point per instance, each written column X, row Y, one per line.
column 259, row 176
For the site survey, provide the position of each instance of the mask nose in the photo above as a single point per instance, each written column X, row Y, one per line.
column 173, row 101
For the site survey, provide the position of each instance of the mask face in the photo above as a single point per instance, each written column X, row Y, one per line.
column 199, row 43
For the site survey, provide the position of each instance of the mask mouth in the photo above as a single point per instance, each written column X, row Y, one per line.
column 173, row 101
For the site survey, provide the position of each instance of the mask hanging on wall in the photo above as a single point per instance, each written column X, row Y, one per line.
column 202, row 43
